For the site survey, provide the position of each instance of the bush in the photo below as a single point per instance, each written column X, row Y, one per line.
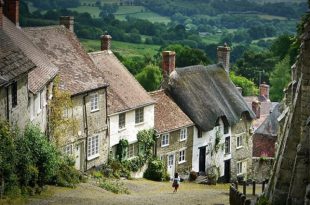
column 114, row 186
column 155, row 171
column 193, row 176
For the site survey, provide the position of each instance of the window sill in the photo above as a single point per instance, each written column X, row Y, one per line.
column 96, row 110
column 93, row 157
column 140, row 123
column 239, row 147
column 228, row 153
column 166, row 145
column 182, row 140
column 121, row 129
column 181, row 162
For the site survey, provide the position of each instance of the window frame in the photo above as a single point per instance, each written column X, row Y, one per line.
column 68, row 149
column 182, row 156
column 131, row 150
column 93, row 149
column 122, row 122
column 14, row 94
column 239, row 167
column 229, row 145
column 94, row 102
column 183, row 134
column 139, row 115
column 239, row 141
column 166, row 140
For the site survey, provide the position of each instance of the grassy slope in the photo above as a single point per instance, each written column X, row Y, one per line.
column 125, row 49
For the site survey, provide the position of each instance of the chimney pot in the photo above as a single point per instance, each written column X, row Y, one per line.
column 168, row 64
column 68, row 22
column 223, row 56
column 106, row 42
column 12, row 11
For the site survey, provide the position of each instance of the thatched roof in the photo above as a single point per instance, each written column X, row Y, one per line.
column 205, row 94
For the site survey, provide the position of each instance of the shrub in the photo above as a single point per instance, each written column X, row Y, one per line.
column 193, row 176
column 114, row 186
column 156, row 170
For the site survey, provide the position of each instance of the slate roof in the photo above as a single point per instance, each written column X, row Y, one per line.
column 168, row 115
column 13, row 62
column 207, row 93
column 124, row 92
column 270, row 126
column 78, row 73
column 44, row 70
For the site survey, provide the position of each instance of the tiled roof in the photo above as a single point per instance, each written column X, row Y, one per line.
column 44, row 71
column 168, row 115
column 13, row 61
column 124, row 92
column 77, row 71
column 206, row 94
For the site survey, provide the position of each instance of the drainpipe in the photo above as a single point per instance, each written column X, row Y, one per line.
column 107, row 121
column 85, row 127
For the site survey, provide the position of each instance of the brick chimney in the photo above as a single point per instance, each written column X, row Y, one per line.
column 168, row 64
column 223, row 56
column 264, row 91
column 1, row 13
column 106, row 42
column 11, row 10
column 256, row 108
column 68, row 22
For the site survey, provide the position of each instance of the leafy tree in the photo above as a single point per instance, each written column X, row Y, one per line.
column 279, row 79
column 150, row 77
column 248, row 87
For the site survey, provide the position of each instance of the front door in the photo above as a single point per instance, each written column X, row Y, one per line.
column 202, row 159
column 171, row 165
column 78, row 156
column 227, row 171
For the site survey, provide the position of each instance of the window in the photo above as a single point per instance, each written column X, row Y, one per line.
column 226, row 128
column 239, row 168
column 170, row 160
column 199, row 133
column 139, row 115
column 131, row 151
column 182, row 156
column 165, row 140
column 239, row 141
column 121, row 120
column 227, row 145
column 93, row 147
column 68, row 150
column 14, row 94
column 183, row 134
column 94, row 103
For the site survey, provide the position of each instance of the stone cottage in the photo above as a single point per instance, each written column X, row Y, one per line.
column 88, row 143
column 130, row 108
column 222, row 142
column 26, row 74
column 174, row 132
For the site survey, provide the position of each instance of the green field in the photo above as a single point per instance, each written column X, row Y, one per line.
column 93, row 11
column 212, row 39
column 140, row 12
column 125, row 49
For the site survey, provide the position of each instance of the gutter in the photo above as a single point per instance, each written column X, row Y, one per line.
column 91, row 90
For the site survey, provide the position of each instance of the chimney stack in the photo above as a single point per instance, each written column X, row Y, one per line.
column 256, row 108
column 68, row 22
column 1, row 13
column 264, row 91
column 106, row 42
column 11, row 10
column 223, row 56
column 168, row 64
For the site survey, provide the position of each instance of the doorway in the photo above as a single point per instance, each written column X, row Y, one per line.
column 171, row 164
column 202, row 159
column 227, row 171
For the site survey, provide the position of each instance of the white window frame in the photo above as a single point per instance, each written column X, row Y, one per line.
column 93, row 145
column 139, row 115
column 94, row 102
column 239, row 141
column 121, row 126
column 182, row 156
column 165, row 140
column 239, row 168
column 183, row 134
column 68, row 149
column 131, row 150
column 229, row 145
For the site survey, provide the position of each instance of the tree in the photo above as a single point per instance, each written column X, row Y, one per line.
column 248, row 87
column 279, row 78
column 150, row 77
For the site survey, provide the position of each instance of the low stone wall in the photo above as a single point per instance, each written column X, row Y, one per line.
column 262, row 168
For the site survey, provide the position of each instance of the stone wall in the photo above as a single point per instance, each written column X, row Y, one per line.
column 261, row 168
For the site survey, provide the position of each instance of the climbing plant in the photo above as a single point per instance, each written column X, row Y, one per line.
column 59, row 124
column 121, row 149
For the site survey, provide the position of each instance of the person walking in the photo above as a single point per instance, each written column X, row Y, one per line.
column 176, row 182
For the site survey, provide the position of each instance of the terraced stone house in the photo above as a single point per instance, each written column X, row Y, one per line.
column 175, row 132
